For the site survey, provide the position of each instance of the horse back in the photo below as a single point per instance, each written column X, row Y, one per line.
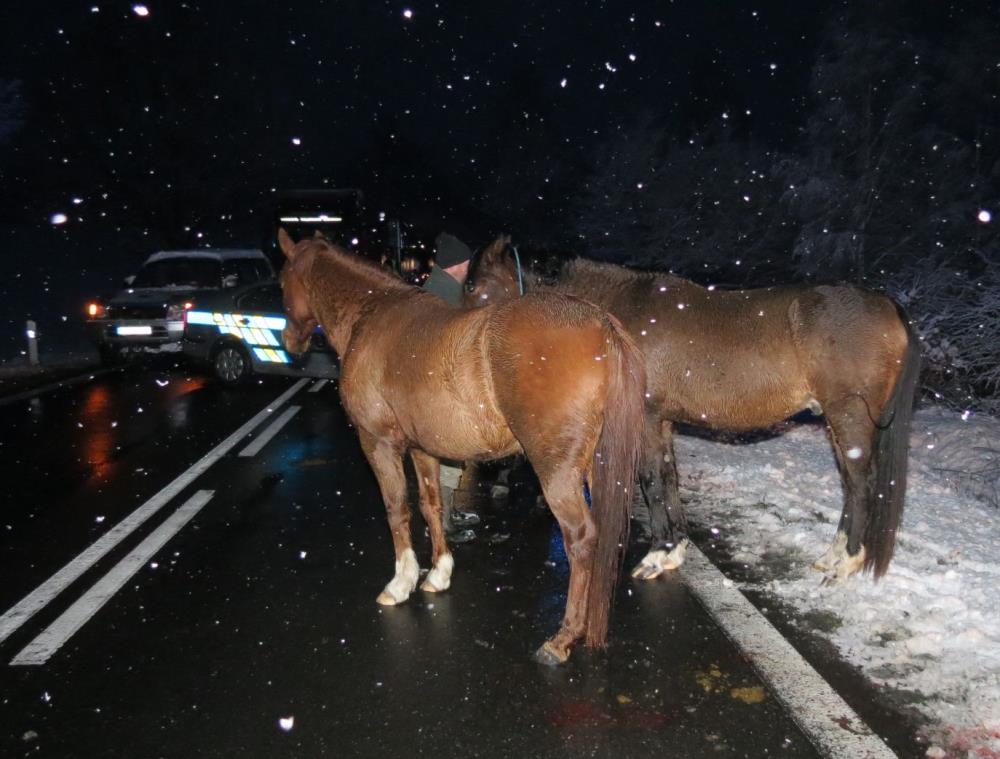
column 548, row 362
column 741, row 359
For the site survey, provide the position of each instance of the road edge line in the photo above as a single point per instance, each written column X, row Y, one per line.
column 833, row 727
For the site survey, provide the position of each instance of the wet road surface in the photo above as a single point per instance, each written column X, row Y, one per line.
column 254, row 632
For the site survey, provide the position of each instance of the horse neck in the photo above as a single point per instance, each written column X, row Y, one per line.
column 342, row 290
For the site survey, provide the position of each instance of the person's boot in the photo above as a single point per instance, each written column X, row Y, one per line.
column 452, row 530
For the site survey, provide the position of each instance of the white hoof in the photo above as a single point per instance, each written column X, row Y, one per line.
column 836, row 564
column 403, row 582
column 657, row 562
column 439, row 578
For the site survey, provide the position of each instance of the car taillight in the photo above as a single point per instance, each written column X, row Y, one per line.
column 95, row 310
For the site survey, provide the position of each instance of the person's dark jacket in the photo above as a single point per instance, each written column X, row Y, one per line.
column 445, row 286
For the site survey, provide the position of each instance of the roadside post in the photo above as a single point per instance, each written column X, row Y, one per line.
column 32, row 333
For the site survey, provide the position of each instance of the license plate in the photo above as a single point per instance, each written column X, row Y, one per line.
column 143, row 329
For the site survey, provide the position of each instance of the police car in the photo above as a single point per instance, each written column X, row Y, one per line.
column 146, row 316
column 238, row 333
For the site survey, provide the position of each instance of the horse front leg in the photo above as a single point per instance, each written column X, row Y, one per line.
column 386, row 461
column 428, row 470
column 667, row 521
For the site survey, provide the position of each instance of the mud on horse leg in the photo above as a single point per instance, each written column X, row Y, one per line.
column 667, row 521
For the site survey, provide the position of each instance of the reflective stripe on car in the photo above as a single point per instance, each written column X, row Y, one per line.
column 262, row 333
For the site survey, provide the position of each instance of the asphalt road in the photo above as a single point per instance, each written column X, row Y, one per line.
column 253, row 631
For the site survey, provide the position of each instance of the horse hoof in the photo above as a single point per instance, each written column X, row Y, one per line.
column 647, row 571
column 657, row 562
column 387, row 599
column 549, row 656
column 428, row 587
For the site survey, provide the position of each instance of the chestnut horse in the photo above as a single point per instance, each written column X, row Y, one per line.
column 745, row 359
column 550, row 376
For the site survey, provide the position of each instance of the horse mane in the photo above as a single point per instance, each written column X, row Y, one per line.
column 358, row 266
column 594, row 280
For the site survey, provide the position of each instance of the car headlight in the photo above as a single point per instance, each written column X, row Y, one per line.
column 176, row 311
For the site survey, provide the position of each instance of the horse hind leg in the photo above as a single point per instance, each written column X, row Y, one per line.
column 564, row 493
column 387, row 464
column 427, row 469
column 668, row 523
column 852, row 433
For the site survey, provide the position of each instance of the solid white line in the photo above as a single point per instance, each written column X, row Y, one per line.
column 834, row 729
column 37, row 599
column 270, row 431
column 55, row 635
column 316, row 388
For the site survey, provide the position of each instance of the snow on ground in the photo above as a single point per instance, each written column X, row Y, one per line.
column 931, row 626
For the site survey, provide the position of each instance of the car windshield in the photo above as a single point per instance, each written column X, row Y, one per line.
column 179, row 272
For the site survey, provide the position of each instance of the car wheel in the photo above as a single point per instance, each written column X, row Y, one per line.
column 231, row 364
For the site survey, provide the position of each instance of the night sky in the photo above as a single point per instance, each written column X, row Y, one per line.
column 172, row 124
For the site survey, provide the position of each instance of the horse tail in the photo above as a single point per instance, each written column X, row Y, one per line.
column 887, row 473
column 614, row 472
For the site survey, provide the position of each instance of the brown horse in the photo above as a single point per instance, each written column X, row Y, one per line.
column 550, row 376
column 746, row 359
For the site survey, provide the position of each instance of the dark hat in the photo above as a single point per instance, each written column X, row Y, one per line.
column 450, row 251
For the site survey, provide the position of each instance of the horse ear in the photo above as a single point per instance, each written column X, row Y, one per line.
column 495, row 250
column 317, row 235
column 286, row 244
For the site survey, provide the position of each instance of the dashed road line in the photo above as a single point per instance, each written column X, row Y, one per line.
column 318, row 386
column 833, row 728
column 270, row 431
column 51, row 639
column 37, row 599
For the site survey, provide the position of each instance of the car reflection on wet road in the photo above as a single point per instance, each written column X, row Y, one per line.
column 253, row 631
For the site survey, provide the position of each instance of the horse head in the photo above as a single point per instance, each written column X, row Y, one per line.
column 300, row 320
column 493, row 275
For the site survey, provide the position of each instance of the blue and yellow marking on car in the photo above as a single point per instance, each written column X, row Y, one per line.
column 261, row 333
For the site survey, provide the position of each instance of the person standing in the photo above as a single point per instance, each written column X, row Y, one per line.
column 449, row 269
column 448, row 272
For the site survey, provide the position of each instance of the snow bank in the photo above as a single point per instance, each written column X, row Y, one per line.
column 932, row 625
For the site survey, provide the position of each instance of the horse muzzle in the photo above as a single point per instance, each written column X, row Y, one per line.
column 295, row 342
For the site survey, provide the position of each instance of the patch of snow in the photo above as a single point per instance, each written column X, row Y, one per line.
column 931, row 626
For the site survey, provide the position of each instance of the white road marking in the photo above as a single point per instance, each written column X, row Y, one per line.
column 55, row 635
column 37, row 599
column 833, row 728
column 270, row 431
column 316, row 388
